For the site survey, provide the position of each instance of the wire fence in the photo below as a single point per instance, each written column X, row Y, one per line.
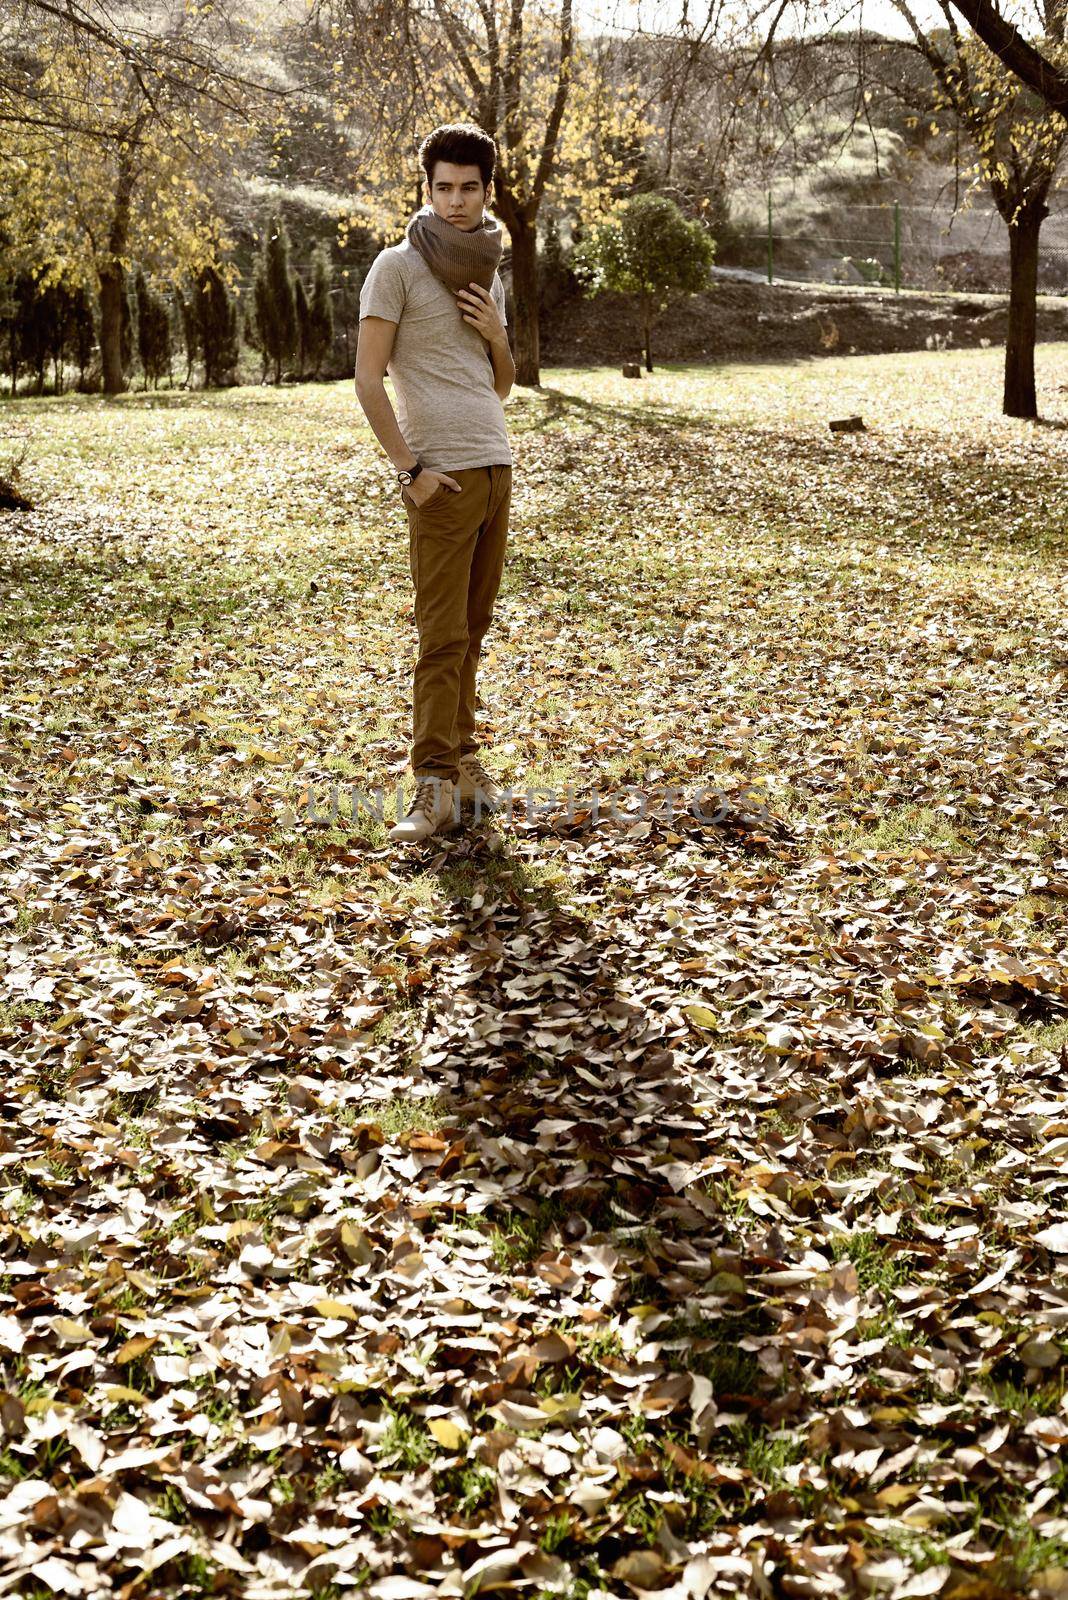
column 804, row 237
column 892, row 245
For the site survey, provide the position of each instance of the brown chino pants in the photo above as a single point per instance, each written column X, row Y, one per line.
column 456, row 550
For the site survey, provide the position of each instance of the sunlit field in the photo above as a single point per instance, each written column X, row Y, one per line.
column 657, row 1186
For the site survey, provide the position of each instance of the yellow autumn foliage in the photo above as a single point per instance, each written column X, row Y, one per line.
column 109, row 173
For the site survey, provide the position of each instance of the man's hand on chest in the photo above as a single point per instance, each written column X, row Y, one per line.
column 479, row 310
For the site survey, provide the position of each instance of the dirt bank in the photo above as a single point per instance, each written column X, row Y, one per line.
column 741, row 320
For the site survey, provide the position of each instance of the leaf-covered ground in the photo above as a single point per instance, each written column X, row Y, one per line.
column 665, row 1197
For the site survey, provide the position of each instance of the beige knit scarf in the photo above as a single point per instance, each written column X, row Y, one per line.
column 455, row 256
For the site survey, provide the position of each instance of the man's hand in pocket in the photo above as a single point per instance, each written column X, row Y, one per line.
column 423, row 487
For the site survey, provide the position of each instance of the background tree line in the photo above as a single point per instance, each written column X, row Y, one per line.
column 156, row 165
column 49, row 329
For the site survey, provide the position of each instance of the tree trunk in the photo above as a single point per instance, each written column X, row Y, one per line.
column 647, row 321
column 1020, row 398
column 525, row 296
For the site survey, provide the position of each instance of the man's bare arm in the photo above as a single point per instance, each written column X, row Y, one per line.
column 503, row 367
column 373, row 350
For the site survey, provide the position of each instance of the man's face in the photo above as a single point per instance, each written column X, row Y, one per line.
column 457, row 194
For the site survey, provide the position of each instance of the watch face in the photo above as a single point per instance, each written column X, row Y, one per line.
column 405, row 477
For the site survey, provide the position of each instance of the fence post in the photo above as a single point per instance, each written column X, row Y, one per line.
column 769, row 237
column 897, row 247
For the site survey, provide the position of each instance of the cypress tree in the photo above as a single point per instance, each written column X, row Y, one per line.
column 163, row 339
column 261, row 301
column 175, row 330
column 82, row 331
column 54, row 309
column 72, row 340
column 190, row 332
column 300, row 300
column 276, row 308
column 157, row 344
column 216, row 312
column 153, row 331
column 30, row 329
column 144, row 322
column 7, row 322
column 233, row 338
column 252, row 328
column 321, row 318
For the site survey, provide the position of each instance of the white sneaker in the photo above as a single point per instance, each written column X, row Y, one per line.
column 431, row 812
column 476, row 781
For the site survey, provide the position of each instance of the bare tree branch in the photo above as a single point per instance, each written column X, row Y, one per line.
column 453, row 34
column 1021, row 57
column 552, row 128
column 159, row 62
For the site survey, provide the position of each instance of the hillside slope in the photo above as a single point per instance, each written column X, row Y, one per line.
column 742, row 318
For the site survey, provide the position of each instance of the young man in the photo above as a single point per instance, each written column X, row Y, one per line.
column 432, row 316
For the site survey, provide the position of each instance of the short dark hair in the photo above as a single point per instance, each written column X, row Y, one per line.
column 464, row 144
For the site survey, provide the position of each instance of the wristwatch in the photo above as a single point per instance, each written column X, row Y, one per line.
column 410, row 474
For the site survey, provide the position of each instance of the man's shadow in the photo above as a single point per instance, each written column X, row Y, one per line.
column 568, row 1114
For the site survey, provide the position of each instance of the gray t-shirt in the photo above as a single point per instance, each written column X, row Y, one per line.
column 441, row 368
